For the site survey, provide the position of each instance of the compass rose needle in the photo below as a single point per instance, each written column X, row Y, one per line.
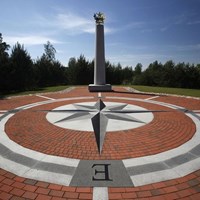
column 76, row 116
column 113, row 108
column 86, row 107
column 100, row 114
column 68, row 111
column 99, row 122
column 136, row 111
column 123, row 117
column 100, row 105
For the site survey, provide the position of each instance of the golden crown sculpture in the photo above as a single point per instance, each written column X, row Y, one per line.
column 99, row 18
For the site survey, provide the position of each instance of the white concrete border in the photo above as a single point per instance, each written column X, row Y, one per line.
column 22, row 170
column 100, row 193
column 176, row 172
column 163, row 175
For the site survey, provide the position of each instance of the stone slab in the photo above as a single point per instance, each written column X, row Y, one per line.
column 143, row 169
column 101, row 173
column 100, row 88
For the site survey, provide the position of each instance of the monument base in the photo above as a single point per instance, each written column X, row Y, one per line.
column 100, row 88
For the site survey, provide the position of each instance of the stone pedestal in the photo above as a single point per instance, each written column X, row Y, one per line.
column 99, row 65
column 100, row 88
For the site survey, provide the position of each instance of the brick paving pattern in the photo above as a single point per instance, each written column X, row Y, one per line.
column 167, row 130
column 15, row 187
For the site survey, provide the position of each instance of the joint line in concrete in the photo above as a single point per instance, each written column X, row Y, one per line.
column 45, row 97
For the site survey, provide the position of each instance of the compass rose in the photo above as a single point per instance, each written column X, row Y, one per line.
column 99, row 114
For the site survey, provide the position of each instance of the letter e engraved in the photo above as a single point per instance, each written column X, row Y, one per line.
column 104, row 171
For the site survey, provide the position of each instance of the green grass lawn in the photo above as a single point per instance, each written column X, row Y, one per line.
column 39, row 90
column 177, row 91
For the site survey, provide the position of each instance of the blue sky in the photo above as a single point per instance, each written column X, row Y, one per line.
column 136, row 31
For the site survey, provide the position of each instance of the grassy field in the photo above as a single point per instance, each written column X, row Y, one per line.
column 177, row 91
column 39, row 90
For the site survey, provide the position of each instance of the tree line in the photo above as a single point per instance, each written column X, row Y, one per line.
column 19, row 72
column 181, row 75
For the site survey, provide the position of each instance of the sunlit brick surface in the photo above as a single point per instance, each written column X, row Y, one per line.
column 31, row 129
column 168, row 130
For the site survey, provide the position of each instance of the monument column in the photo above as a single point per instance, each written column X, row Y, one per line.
column 99, row 70
column 99, row 65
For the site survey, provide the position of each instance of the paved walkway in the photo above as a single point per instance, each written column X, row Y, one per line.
column 157, row 159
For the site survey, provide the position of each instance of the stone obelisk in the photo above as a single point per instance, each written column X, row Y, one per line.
column 99, row 65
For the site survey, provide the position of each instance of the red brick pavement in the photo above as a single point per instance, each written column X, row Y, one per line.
column 13, row 187
column 79, row 91
column 167, row 130
column 188, row 187
column 14, row 102
column 189, row 103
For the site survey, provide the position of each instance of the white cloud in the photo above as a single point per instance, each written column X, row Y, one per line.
column 130, row 26
column 133, row 25
column 77, row 24
column 163, row 29
column 189, row 47
column 147, row 30
column 134, row 59
column 70, row 22
column 74, row 22
column 194, row 22
column 177, row 53
column 29, row 40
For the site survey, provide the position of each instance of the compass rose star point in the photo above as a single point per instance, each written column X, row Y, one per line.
column 100, row 114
